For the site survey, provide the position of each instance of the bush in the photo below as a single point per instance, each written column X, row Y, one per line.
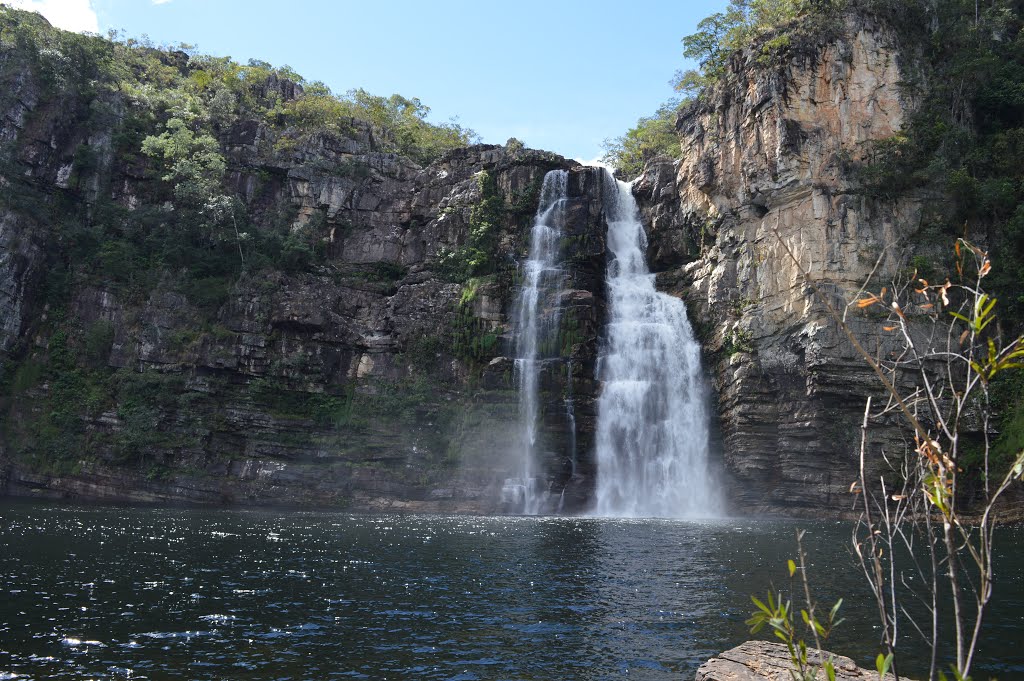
column 477, row 256
column 651, row 136
column 742, row 22
column 96, row 342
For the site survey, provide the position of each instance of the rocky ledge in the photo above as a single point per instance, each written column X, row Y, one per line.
column 766, row 661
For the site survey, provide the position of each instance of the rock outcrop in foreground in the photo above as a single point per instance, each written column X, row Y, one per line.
column 769, row 661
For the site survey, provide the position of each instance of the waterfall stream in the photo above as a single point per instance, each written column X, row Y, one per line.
column 536, row 321
column 652, row 421
column 652, row 425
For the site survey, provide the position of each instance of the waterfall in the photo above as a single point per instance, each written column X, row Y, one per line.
column 536, row 321
column 652, row 425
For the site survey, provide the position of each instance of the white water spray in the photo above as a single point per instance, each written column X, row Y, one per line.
column 537, row 318
column 652, row 425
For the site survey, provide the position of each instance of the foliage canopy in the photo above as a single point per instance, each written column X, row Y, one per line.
column 651, row 136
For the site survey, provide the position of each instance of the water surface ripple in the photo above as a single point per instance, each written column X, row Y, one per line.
column 98, row 592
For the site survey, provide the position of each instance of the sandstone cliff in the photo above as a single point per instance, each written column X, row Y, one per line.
column 351, row 359
column 766, row 159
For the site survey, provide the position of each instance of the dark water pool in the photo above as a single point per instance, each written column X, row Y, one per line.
column 99, row 592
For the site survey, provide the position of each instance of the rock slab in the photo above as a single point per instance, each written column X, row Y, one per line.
column 768, row 661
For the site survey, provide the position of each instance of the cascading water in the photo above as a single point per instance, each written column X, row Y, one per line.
column 652, row 427
column 537, row 317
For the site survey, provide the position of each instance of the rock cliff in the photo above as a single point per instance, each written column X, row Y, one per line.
column 346, row 358
column 765, row 168
column 358, row 351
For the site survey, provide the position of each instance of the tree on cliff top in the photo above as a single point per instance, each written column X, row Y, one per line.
column 723, row 33
column 719, row 35
column 651, row 136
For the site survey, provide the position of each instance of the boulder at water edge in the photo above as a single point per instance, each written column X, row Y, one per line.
column 767, row 661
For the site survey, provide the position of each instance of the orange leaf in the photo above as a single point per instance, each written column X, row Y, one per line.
column 927, row 306
column 985, row 268
column 924, row 282
column 865, row 302
column 956, row 248
column 963, row 336
column 889, row 328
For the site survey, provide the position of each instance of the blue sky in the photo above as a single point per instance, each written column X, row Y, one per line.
column 558, row 75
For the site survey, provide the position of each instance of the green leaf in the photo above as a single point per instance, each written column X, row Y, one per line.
column 835, row 609
column 882, row 664
column 960, row 317
column 830, row 671
column 792, row 567
column 986, row 312
column 1018, row 467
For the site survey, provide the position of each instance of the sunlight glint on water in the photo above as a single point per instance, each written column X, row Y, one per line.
column 91, row 592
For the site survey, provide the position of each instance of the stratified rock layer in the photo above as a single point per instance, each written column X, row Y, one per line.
column 378, row 376
column 765, row 174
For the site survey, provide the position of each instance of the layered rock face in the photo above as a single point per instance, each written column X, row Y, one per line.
column 379, row 375
column 373, row 377
column 765, row 174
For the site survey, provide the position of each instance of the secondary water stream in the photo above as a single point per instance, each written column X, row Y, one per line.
column 537, row 316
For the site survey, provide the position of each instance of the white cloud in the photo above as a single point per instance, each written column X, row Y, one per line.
column 71, row 15
column 161, row 2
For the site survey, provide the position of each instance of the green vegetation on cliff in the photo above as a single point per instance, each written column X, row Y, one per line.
column 157, row 229
column 964, row 143
column 718, row 37
column 477, row 256
column 742, row 23
column 169, row 115
column 651, row 136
